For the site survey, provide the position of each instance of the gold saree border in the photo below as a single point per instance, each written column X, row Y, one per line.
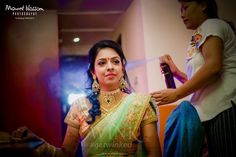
column 135, row 106
column 104, row 115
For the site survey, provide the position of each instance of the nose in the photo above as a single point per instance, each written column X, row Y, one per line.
column 110, row 66
column 182, row 15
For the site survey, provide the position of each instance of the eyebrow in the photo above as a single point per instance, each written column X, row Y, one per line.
column 115, row 57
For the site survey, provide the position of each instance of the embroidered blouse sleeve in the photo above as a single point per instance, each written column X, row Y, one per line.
column 72, row 117
column 150, row 113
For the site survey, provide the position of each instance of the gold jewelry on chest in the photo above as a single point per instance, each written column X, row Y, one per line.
column 110, row 99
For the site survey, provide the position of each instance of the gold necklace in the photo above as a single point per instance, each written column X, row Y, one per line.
column 111, row 97
column 110, row 100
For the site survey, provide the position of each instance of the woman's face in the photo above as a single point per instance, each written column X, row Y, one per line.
column 192, row 14
column 108, row 69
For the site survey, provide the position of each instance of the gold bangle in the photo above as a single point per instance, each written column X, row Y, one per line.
column 46, row 150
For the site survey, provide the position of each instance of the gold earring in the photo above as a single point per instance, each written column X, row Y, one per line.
column 123, row 84
column 95, row 85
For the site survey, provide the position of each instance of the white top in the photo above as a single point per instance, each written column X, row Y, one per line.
column 215, row 98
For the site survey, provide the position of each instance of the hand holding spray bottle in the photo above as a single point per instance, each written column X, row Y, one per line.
column 169, row 78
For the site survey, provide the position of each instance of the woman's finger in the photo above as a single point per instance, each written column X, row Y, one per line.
column 156, row 92
column 18, row 134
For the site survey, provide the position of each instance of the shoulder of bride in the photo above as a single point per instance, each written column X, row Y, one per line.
column 142, row 94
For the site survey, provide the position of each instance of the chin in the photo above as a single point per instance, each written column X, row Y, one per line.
column 112, row 82
column 190, row 26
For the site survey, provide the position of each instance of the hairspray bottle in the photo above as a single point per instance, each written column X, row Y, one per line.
column 169, row 79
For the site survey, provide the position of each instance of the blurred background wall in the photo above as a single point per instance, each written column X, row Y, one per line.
column 32, row 57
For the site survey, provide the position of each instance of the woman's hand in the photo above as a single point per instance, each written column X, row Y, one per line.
column 168, row 60
column 165, row 96
column 179, row 75
column 23, row 134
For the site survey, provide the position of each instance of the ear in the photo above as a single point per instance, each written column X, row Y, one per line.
column 123, row 67
column 123, row 70
column 93, row 74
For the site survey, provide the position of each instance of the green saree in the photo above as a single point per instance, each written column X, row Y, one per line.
column 116, row 133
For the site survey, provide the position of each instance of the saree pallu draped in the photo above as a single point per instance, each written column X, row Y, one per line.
column 184, row 133
column 116, row 132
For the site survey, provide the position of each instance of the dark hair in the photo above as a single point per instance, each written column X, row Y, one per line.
column 95, row 110
column 211, row 7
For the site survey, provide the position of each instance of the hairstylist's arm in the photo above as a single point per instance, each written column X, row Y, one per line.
column 212, row 51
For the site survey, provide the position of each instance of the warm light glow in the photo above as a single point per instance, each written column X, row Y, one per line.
column 72, row 97
column 77, row 39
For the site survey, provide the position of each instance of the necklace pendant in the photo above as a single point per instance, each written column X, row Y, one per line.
column 109, row 99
